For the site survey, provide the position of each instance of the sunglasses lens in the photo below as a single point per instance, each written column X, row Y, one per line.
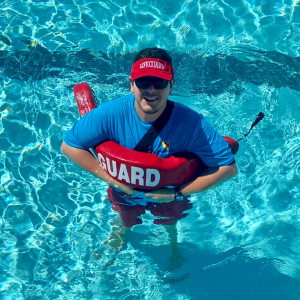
column 141, row 83
column 144, row 82
column 159, row 83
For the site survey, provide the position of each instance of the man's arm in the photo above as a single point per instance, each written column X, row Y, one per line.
column 89, row 163
column 210, row 178
column 210, row 146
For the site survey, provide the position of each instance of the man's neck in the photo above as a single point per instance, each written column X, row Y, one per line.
column 148, row 117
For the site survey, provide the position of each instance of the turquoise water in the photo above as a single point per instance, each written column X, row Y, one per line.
column 232, row 59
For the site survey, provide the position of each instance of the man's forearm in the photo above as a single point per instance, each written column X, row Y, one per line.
column 210, row 178
column 89, row 163
column 86, row 161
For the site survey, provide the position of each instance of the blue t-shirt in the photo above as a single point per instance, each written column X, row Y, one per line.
column 118, row 121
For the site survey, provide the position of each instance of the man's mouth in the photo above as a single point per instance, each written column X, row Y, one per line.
column 150, row 99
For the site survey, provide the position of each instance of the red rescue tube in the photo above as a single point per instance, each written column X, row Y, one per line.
column 233, row 144
column 139, row 169
column 145, row 170
column 84, row 98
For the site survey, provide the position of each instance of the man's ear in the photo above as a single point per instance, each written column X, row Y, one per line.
column 171, row 85
column 131, row 85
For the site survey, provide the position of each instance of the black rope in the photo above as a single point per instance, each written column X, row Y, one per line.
column 260, row 116
column 155, row 129
column 96, row 102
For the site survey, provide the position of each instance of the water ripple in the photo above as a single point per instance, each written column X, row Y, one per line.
column 232, row 59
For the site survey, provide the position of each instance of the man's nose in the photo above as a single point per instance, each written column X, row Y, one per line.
column 151, row 87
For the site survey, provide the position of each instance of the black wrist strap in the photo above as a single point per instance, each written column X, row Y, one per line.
column 155, row 129
column 177, row 189
column 178, row 193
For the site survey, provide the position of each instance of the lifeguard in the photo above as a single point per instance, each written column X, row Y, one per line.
column 169, row 127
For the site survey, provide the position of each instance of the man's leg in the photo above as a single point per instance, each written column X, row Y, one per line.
column 117, row 237
column 169, row 214
column 128, row 216
column 176, row 258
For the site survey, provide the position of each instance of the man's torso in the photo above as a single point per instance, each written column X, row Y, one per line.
column 117, row 120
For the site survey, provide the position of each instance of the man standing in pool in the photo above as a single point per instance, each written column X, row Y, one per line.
column 127, row 119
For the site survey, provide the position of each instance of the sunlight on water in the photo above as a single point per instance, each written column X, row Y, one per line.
column 232, row 59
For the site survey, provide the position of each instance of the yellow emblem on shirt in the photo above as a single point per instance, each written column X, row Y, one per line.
column 166, row 144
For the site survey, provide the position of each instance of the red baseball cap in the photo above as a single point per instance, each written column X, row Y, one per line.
column 152, row 67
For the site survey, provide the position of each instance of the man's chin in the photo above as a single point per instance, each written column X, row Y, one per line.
column 149, row 110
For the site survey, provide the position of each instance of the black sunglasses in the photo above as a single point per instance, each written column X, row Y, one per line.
column 144, row 82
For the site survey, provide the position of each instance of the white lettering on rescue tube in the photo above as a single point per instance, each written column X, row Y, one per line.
column 102, row 161
column 112, row 172
column 149, row 174
column 123, row 174
column 137, row 174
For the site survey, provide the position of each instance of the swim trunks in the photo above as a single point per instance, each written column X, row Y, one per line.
column 165, row 213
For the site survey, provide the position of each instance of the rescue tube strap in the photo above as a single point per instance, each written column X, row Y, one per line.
column 260, row 116
column 155, row 129
column 95, row 99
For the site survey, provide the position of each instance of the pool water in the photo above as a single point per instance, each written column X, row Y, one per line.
column 232, row 60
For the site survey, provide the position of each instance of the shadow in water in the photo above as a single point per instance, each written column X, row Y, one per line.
column 194, row 72
column 231, row 275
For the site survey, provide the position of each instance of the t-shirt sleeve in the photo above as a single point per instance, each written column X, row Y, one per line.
column 91, row 130
column 210, row 146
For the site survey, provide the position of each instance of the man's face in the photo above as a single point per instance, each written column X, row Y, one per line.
column 151, row 100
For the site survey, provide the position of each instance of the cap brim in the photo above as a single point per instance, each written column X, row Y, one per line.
column 163, row 75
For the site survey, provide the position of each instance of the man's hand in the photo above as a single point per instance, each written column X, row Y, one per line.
column 124, row 188
column 162, row 195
